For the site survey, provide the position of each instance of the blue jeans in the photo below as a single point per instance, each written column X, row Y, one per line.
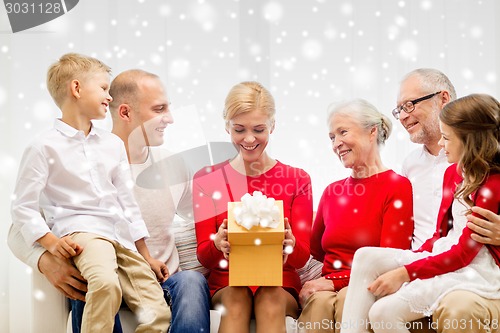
column 77, row 314
column 187, row 294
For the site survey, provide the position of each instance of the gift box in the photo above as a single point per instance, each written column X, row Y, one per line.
column 256, row 257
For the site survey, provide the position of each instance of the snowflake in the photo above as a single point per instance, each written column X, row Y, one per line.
column 42, row 110
column 467, row 74
column 156, row 59
column 223, row 263
column 426, row 5
column 145, row 315
column 89, row 27
column 39, row 295
column 273, row 12
column 221, row 309
column 408, row 49
column 346, row 9
column 476, row 32
column 312, row 49
column 491, row 77
column 486, row 193
column 179, row 68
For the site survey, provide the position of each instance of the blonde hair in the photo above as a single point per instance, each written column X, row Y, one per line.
column 246, row 97
column 475, row 119
column 366, row 114
column 69, row 67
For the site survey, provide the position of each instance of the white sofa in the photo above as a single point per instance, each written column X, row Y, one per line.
column 51, row 311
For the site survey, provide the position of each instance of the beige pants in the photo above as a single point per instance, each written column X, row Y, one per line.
column 463, row 311
column 112, row 271
column 322, row 312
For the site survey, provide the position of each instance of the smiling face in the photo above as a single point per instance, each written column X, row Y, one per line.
column 451, row 143
column 151, row 112
column 422, row 123
column 94, row 95
column 351, row 142
column 250, row 134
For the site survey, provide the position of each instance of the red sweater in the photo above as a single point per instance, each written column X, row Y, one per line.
column 353, row 213
column 462, row 253
column 215, row 186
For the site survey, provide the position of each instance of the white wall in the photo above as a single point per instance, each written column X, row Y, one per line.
column 310, row 53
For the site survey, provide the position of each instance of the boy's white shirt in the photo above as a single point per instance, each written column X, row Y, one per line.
column 81, row 184
column 158, row 207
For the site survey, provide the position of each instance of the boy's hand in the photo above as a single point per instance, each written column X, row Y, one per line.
column 160, row 269
column 64, row 248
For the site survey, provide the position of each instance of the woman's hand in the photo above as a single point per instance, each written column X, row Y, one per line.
column 288, row 242
column 390, row 282
column 310, row 287
column 220, row 241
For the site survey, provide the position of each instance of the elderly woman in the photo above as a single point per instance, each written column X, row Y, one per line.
column 249, row 116
column 372, row 207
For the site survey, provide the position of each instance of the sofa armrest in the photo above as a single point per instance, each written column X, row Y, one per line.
column 50, row 307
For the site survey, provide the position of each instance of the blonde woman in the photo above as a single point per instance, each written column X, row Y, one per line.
column 249, row 116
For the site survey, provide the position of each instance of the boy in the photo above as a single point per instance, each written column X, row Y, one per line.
column 78, row 177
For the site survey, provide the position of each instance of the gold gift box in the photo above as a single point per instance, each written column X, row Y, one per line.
column 256, row 257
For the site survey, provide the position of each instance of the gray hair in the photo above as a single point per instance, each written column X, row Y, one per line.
column 366, row 114
column 433, row 80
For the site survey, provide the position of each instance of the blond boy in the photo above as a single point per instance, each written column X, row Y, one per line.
column 78, row 177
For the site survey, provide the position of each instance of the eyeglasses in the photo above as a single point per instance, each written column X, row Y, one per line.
column 409, row 106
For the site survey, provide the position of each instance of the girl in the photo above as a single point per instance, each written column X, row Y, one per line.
column 415, row 282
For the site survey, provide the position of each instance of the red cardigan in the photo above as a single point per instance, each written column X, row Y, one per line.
column 215, row 186
column 353, row 213
column 462, row 253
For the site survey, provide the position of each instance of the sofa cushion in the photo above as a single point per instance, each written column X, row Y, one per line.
column 185, row 240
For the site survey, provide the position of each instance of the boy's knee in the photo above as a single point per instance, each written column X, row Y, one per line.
column 106, row 284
